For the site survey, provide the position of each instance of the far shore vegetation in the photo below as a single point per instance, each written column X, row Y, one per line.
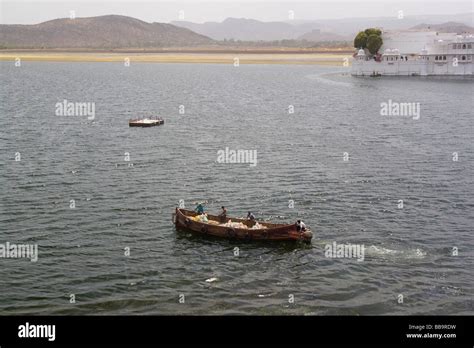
column 234, row 45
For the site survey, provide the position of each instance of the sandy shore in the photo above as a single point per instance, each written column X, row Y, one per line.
column 333, row 59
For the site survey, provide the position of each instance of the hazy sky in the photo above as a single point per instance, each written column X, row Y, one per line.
column 36, row 11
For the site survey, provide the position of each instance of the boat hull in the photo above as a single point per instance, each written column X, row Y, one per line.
column 145, row 123
column 274, row 232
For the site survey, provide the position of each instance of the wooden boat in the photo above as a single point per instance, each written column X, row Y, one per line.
column 146, row 122
column 183, row 218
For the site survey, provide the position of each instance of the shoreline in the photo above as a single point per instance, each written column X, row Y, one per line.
column 203, row 57
column 202, row 49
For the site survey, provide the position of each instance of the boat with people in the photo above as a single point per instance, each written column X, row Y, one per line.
column 235, row 228
column 146, row 122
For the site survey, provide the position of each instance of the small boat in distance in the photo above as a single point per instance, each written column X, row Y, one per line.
column 245, row 230
column 146, row 122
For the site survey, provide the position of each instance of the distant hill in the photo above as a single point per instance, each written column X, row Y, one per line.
column 319, row 36
column 249, row 29
column 317, row 31
column 449, row 27
column 113, row 31
column 351, row 26
column 110, row 31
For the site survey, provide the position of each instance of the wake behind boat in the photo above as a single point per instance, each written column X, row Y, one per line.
column 234, row 228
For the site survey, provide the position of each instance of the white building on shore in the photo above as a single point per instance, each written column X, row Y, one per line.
column 418, row 53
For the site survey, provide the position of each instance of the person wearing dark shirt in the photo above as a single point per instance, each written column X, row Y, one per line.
column 223, row 214
column 199, row 209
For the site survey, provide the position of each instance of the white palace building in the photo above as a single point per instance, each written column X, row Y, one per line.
column 417, row 53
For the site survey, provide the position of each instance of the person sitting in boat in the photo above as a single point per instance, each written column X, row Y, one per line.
column 300, row 226
column 199, row 208
column 223, row 214
column 250, row 216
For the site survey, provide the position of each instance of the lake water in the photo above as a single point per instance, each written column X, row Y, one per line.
column 345, row 167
